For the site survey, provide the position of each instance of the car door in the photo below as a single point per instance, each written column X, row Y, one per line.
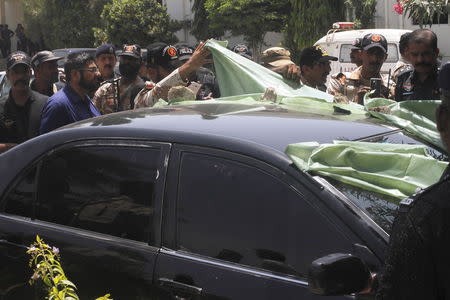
column 99, row 202
column 237, row 228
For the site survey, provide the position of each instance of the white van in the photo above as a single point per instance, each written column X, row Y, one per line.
column 338, row 43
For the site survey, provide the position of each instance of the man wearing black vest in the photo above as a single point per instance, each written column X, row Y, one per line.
column 20, row 112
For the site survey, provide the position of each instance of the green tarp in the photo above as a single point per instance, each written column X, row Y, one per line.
column 392, row 169
column 417, row 117
column 395, row 170
column 239, row 76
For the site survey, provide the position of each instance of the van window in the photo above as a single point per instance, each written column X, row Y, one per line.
column 344, row 55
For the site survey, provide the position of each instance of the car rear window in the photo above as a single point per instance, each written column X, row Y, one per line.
column 344, row 55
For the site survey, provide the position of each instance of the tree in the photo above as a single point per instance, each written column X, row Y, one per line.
column 250, row 18
column 309, row 20
column 62, row 23
column 135, row 21
column 201, row 28
column 363, row 11
column 422, row 12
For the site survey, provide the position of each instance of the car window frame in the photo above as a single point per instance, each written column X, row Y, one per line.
column 169, row 223
column 153, row 241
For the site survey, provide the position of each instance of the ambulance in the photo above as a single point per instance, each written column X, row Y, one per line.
column 338, row 42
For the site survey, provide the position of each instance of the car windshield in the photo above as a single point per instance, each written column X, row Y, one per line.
column 381, row 208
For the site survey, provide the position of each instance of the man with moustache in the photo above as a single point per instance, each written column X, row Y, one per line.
column 314, row 67
column 117, row 95
column 420, row 83
column 72, row 103
column 357, row 84
column 20, row 113
column 45, row 72
column 105, row 58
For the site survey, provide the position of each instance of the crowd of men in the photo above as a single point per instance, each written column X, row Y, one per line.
column 93, row 88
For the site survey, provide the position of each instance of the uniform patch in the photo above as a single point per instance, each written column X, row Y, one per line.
column 172, row 51
column 129, row 48
column 376, row 38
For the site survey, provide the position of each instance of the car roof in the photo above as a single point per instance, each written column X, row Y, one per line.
column 391, row 35
column 266, row 125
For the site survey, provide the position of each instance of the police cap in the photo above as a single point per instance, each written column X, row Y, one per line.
column 16, row 58
column 105, row 49
column 162, row 54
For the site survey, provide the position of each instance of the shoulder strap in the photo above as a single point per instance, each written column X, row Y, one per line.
column 36, row 107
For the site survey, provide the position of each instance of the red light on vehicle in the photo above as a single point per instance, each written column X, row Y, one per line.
column 343, row 25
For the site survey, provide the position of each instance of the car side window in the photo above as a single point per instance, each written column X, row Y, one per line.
column 19, row 200
column 239, row 213
column 102, row 189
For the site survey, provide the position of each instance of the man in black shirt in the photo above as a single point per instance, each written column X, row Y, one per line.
column 20, row 112
column 420, row 83
column 46, row 73
column 418, row 260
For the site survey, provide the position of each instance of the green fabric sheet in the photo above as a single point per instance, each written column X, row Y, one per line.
column 238, row 75
column 417, row 117
column 396, row 170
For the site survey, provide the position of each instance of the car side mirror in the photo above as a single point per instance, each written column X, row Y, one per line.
column 338, row 274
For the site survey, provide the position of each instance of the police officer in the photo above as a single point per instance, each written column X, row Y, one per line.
column 420, row 83
column 20, row 113
column 358, row 83
column 117, row 94
column 209, row 87
column 161, row 59
column 418, row 260
column 105, row 59
column 355, row 52
column 243, row 50
column 315, row 67
column 403, row 64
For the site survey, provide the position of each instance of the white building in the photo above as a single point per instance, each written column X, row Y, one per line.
column 386, row 17
column 11, row 13
column 181, row 10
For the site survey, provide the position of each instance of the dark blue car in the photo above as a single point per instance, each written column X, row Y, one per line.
column 187, row 202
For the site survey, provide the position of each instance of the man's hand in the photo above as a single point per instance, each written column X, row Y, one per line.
column 160, row 92
column 359, row 97
column 198, row 59
column 291, row 71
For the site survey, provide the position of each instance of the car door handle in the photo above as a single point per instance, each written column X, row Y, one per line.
column 179, row 287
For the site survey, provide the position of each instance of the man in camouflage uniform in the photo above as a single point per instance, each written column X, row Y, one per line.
column 117, row 94
column 105, row 59
column 357, row 84
column 161, row 60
